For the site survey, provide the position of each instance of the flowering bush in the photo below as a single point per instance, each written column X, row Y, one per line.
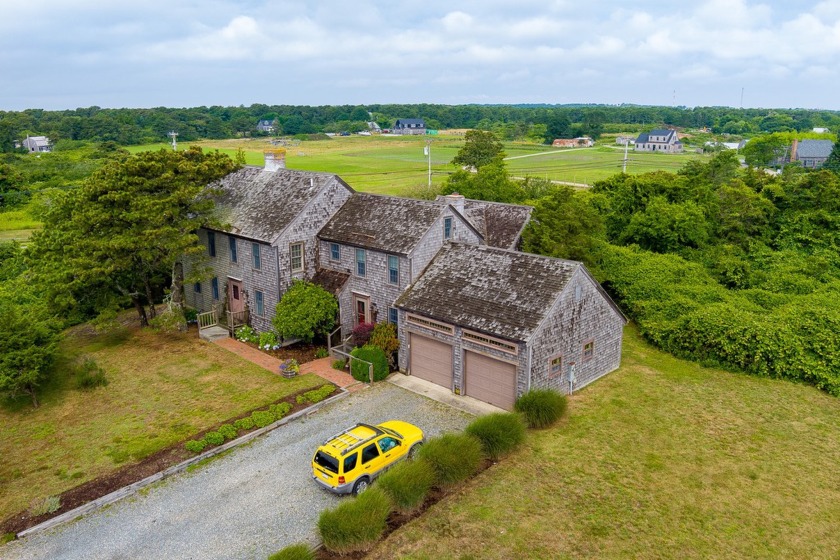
column 247, row 334
column 290, row 367
column 268, row 341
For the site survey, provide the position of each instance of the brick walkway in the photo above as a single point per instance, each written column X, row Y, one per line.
column 322, row 367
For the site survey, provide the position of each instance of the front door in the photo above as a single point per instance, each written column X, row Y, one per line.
column 361, row 304
column 235, row 297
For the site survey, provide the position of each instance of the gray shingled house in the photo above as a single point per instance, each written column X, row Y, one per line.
column 409, row 126
column 274, row 215
column 812, row 153
column 493, row 323
column 379, row 245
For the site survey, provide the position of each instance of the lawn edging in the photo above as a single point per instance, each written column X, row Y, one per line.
column 132, row 489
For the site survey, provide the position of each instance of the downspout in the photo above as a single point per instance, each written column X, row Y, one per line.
column 530, row 372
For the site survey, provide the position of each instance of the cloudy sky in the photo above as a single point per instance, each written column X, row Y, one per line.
column 65, row 54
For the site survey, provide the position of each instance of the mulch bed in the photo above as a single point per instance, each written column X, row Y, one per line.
column 126, row 475
column 397, row 520
column 299, row 351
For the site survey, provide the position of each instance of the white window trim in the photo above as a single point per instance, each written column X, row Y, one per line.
column 583, row 356
column 388, row 271
column 302, row 257
column 356, row 263
column 333, row 259
column 559, row 372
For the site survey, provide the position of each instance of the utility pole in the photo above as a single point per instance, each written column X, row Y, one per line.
column 427, row 151
column 626, row 144
column 172, row 134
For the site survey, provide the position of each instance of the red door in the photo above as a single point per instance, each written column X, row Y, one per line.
column 362, row 305
column 235, row 301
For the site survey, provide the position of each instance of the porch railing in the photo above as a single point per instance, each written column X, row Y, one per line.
column 208, row 319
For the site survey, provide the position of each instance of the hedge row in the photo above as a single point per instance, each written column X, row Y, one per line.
column 227, row 432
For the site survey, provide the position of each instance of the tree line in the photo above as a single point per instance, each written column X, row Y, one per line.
column 138, row 126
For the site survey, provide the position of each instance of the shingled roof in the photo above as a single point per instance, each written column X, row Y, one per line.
column 814, row 149
column 384, row 223
column 495, row 291
column 500, row 224
column 260, row 204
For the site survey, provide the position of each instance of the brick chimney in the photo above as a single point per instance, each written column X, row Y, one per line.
column 793, row 149
column 456, row 201
column 275, row 159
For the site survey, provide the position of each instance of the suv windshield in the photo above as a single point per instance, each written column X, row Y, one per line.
column 324, row 460
column 390, row 431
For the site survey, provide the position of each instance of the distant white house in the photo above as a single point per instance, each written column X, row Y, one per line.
column 374, row 128
column 37, row 144
column 820, row 130
column 267, row 126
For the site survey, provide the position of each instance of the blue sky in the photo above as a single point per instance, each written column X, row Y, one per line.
column 185, row 53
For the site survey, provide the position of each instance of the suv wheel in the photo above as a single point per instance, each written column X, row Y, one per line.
column 412, row 453
column 360, row 486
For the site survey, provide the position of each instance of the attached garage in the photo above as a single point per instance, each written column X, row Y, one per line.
column 431, row 360
column 490, row 380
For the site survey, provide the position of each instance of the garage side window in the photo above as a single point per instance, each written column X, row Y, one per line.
column 588, row 350
column 370, row 453
column 555, row 366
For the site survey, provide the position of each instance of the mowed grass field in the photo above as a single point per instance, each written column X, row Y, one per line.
column 396, row 165
column 660, row 459
column 162, row 389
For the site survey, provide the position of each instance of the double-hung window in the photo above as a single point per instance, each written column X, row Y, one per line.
column 588, row 350
column 255, row 251
column 361, row 258
column 393, row 269
column 232, row 243
column 215, row 285
column 555, row 366
column 296, row 257
column 211, row 243
column 393, row 317
column 447, row 227
column 335, row 252
column 258, row 296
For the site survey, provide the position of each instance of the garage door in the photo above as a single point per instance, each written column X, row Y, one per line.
column 431, row 360
column 490, row 380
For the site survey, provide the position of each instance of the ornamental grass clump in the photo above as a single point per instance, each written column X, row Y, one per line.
column 407, row 484
column 356, row 524
column 541, row 407
column 294, row 552
column 499, row 433
column 453, row 457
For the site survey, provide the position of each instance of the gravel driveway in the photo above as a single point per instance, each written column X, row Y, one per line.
column 247, row 504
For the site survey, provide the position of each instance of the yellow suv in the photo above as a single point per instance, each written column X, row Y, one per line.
column 348, row 462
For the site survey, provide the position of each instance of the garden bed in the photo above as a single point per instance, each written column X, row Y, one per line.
column 129, row 474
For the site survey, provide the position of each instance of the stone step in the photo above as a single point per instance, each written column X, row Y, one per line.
column 213, row 333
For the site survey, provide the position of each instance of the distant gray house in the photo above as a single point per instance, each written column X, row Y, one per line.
column 492, row 324
column 812, row 153
column 409, row 126
column 37, row 144
column 659, row 140
column 473, row 314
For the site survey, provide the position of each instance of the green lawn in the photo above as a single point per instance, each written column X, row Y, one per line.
column 396, row 165
column 660, row 459
column 163, row 389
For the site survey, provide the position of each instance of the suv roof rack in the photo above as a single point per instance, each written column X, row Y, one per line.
column 346, row 441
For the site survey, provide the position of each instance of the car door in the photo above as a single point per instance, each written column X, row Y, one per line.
column 391, row 449
column 372, row 459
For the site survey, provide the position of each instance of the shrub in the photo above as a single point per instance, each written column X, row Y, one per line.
column 305, row 311
column 244, row 423
column 359, row 370
column 454, row 457
column 316, row 395
column 247, row 334
column 294, row 552
column 541, row 407
column 339, row 364
column 50, row 504
column 90, row 375
column 214, row 438
column 384, row 336
column 356, row 524
column 498, row 433
column 321, row 352
column 262, row 418
column 169, row 321
column 362, row 333
column 268, row 341
column 195, row 445
column 191, row 315
column 228, row 431
column 280, row 410
column 407, row 484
